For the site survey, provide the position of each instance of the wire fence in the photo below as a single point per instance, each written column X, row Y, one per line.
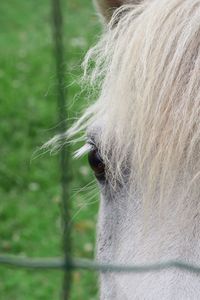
column 57, row 30
column 85, row 264
column 67, row 263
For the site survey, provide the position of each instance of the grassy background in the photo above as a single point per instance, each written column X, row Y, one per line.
column 29, row 189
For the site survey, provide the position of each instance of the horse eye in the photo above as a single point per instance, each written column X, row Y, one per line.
column 96, row 163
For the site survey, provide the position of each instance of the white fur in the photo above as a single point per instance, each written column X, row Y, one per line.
column 147, row 72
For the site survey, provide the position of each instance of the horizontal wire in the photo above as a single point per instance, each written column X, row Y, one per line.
column 84, row 264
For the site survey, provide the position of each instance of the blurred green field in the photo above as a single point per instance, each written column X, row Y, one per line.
column 29, row 188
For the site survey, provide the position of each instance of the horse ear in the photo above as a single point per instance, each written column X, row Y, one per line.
column 107, row 7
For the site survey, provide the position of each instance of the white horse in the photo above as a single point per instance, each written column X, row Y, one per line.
column 143, row 138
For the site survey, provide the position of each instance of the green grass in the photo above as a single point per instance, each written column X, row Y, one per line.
column 29, row 189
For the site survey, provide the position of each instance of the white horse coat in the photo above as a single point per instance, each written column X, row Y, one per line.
column 145, row 125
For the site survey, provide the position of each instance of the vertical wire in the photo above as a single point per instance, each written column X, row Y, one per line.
column 64, row 158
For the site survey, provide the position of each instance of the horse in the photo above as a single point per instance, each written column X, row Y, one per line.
column 143, row 142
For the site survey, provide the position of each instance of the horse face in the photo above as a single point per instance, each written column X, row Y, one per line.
column 121, row 238
column 144, row 146
column 125, row 236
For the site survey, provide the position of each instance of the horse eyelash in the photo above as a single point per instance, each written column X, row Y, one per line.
column 85, row 149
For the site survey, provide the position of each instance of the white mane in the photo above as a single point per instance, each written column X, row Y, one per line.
column 146, row 68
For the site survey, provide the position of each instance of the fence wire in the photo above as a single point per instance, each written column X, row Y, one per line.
column 85, row 264
column 57, row 33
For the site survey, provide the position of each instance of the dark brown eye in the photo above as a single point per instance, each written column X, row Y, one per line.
column 96, row 164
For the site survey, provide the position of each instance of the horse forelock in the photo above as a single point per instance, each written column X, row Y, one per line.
column 146, row 69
